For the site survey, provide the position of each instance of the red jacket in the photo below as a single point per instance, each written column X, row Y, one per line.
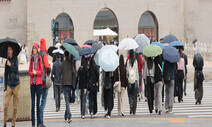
column 39, row 69
column 45, row 58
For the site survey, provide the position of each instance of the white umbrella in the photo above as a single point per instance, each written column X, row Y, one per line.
column 58, row 51
column 142, row 41
column 104, row 32
column 58, row 45
column 128, row 44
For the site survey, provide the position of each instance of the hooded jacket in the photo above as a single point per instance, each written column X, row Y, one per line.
column 39, row 68
column 45, row 58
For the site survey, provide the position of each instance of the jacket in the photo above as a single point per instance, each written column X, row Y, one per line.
column 93, row 78
column 158, row 69
column 186, row 63
column 169, row 68
column 11, row 73
column 82, row 77
column 56, row 73
column 123, row 77
column 46, row 66
column 198, row 62
column 39, row 69
column 66, row 70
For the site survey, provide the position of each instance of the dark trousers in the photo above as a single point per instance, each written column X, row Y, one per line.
column 93, row 102
column 163, row 93
column 35, row 90
column 66, row 91
column 83, row 95
column 180, row 77
column 108, row 100
column 132, row 95
column 57, row 91
column 150, row 95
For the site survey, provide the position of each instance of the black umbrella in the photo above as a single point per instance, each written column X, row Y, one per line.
column 97, row 46
column 90, row 42
column 50, row 50
column 87, row 51
column 5, row 42
column 73, row 43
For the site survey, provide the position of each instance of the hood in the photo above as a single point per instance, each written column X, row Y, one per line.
column 36, row 46
column 43, row 44
column 197, row 50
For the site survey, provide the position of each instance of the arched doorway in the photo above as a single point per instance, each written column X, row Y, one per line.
column 106, row 18
column 148, row 25
column 66, row 27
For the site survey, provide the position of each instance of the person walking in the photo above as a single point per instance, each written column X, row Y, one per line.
column 107, row 83
column 35, row 73
column 133, row 78
column 140, row 68
column 169, row 71
column 11, row 84
column 180, row 76
column 46, row 72
column 121, row 75
column 198, row 63
column 186, row 72
column 66, row 71
column 57, row 80
column 82, row 77
column 158, row 85
column 93, row 83
column 149, row 73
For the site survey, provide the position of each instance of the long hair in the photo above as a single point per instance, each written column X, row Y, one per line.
column 121, row 65
column 92, row 63
column 54, row 58
column 84, row 62
column 149, row 63
column 131, row 57
column 181, row 53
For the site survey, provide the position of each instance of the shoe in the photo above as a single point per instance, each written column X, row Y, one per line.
column 83, row 117
column 156, row 111
column 131, row 110
column 167, row 110
column 57, row 109
column 200, row 102
column 196, row 102
column 122, row 114
column 185, row 94
column 160, row 112
column 108, row 117
column 105, row 115
column 69, row 120
column 91, row 115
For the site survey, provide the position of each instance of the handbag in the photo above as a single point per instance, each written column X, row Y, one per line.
column 48, row 83
column 117, row 84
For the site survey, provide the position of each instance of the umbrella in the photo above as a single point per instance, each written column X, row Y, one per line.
column 85, row 46
column 108, row 60
column 110, row 47
column 71, row 49
column 51, row 49
column 128, row 44
column 58, row 45
column 87, row 51
column 5, row 42
column 171, row 54
column 58, row 51
column 152, row 51
column 169, row 38
column 97, row 46
column 90, row 42
column 158, row 44
column 176, row 44
column 73, row 43
column 142, row 41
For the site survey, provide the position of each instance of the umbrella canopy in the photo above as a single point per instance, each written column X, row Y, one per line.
column 104, row 32
column 87, row 51
column 51, row 49
column 158, row 44
column 85, row 46
column 5, row 42
column 169, row 38
column 97, row 46
column 71, row 49
column 90, row 42
column 58, row 51
column 58, row 45
column 73, row 43
column 128, row 44
column 152, row 51
column 176, row 44
column 107, row 47
column 171, row 54
column 108, row 60
column 142, row 41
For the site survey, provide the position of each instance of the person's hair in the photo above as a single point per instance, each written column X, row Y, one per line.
column 131, row 57
column 137, row 56
column 121, row 65
column 54, row 58
column 92, row 63
column 84, row 62
column 149, row 63
column 181, row 53
column 67, row 55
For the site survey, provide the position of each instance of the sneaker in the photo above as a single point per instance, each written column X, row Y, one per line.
column 83, row 117
column 91, row 115
column 156, row 111
column 122, row 114
column 105, row 115
column 167, row 110
column 69, row 120
column 160, row 112
column 108, row 117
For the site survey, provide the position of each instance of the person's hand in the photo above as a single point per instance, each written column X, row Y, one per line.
column 5, row 93
column 97, row 84
column 8, row 63
column 185, row 78
column 88, row 92
column 34, row 72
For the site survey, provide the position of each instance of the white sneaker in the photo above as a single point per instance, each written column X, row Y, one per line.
column 83, row 117
column 108, row 117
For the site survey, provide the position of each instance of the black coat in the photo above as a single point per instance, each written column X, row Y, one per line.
column 198, row 62
column 56, row 73
column 186, row 63
column 158, row 69
column 11, row 73
column 93, row 78
column 82, row 78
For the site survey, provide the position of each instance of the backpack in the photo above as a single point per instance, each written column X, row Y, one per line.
column 132, row 73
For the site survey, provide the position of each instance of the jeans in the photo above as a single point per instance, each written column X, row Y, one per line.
column 35, row 89
column 150, row 94
column 77, row 91
column 44, row 94
column 132, row 94
column 169, row 90
column 66, row 91
column 185, row 84
column 57, row 95
column 93, row 102
column 83, row 96
column 158, row 96
column 15, row 93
